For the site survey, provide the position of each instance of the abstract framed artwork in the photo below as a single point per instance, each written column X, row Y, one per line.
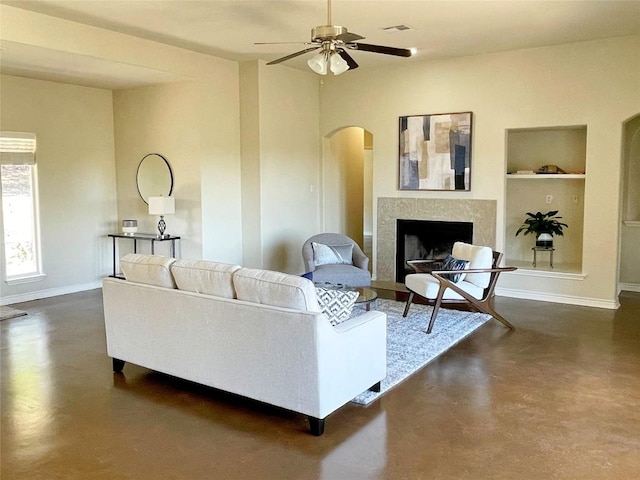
column 435, row 152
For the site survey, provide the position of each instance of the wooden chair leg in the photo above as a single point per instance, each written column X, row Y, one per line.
column 409, row 300
column 489, row 309
column 436, row 307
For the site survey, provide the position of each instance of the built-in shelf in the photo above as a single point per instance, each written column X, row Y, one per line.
column 571, row 271
column 632, row 223
column 528, row 150
column 542, row 176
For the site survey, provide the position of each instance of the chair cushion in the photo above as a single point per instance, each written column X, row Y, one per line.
column 426, row 285
column 336, row 304
column 332, row 254
column 275, row 288
column 348, row 275
column 202, row 276
column 479, row 257
column 452, row 263
column 148, row 269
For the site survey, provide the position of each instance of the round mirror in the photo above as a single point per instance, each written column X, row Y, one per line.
column 154, row 177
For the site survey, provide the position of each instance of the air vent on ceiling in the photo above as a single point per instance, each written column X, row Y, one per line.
column 397, row 28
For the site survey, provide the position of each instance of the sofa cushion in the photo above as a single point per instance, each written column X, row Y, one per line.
column 276, row 289
column 203, row 276
column 332, row 254
column 148, row 269
column 336, row 303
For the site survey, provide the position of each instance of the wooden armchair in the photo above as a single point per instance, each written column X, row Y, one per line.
column 476, row 289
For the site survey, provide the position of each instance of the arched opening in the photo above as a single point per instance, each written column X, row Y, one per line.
column 629, row 272
column 347, row 178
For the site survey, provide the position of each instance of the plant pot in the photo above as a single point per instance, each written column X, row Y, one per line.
column 544, row 240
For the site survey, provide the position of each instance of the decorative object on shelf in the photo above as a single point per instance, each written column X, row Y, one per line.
column 129, row 227
column 154, row 177
column 550, row 169
column 544, row 226
column 162, row 206
column 435, row 152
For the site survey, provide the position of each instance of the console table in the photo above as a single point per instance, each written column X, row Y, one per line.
column 145, row 237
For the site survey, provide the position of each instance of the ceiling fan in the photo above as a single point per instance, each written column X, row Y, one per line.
column 333, row 41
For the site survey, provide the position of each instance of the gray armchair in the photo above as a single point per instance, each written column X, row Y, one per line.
column 353, row 274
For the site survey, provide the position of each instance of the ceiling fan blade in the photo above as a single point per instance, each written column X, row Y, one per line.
column 349, row 37
column 348, row 58
column 366, row 47
column 293, row 55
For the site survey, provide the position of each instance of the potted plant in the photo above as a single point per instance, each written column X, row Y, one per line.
column 544, row 226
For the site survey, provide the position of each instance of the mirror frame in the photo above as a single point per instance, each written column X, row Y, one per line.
column 166, row 162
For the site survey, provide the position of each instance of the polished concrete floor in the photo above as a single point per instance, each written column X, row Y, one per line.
column 559, row 398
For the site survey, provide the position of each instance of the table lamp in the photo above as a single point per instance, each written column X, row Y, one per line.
column 162, row 206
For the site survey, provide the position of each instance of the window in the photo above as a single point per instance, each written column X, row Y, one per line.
column 18, row 177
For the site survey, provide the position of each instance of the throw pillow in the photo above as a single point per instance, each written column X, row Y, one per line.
column 452, row 263
column 332, row 254
column 336, row 304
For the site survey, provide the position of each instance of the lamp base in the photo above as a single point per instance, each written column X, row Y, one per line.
column 162, row 226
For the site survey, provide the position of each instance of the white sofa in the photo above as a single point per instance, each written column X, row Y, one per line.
column 256, row 333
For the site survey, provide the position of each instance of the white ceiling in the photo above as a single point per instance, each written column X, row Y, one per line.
column 228, row 29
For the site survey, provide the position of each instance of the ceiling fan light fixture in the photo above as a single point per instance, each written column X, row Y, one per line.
column 333, row 42
column 338, row 64
column 318, row 63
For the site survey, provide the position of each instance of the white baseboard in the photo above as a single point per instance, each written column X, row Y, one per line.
column 629, row 287
column 51, row 292
column 553, row 298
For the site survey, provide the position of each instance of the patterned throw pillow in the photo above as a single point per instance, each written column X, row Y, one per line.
column 332, row 254
column 336, row 304
column 452, row 263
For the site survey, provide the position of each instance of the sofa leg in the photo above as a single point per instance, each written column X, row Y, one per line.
column 118, row 365
column 316, row 425
column 375, row 387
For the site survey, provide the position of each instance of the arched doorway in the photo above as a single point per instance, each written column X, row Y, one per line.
column 347, row 178
column 629, row 271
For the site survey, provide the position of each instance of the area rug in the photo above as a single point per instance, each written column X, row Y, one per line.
column 409, row 348
column 7, row 312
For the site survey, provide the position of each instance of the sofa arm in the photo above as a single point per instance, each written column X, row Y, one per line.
column 358, row 320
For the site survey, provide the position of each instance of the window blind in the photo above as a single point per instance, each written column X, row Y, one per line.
column 17, row 148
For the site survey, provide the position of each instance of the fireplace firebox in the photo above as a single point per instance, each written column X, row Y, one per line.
column 427, row 240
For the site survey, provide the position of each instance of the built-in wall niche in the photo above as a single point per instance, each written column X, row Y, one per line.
column 527, row 151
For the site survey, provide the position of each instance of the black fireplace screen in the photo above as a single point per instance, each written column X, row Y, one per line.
column 427, row 240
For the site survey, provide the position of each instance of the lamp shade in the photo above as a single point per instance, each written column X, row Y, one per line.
column 161, row 205
column 338, row 64
column 318, row 63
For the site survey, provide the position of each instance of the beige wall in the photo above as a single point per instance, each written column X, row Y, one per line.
column 280, row 113
column 591, row 83
column 250, row 167
column 196, row 128
column 76, row 176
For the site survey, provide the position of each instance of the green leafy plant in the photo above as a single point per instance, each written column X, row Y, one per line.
column 539, row 222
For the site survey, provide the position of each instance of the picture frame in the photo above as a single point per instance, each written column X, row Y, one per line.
column 435, row 152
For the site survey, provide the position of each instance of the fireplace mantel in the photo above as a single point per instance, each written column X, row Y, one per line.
column 482, row 213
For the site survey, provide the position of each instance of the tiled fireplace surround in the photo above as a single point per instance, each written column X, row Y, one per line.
column 482, row 213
